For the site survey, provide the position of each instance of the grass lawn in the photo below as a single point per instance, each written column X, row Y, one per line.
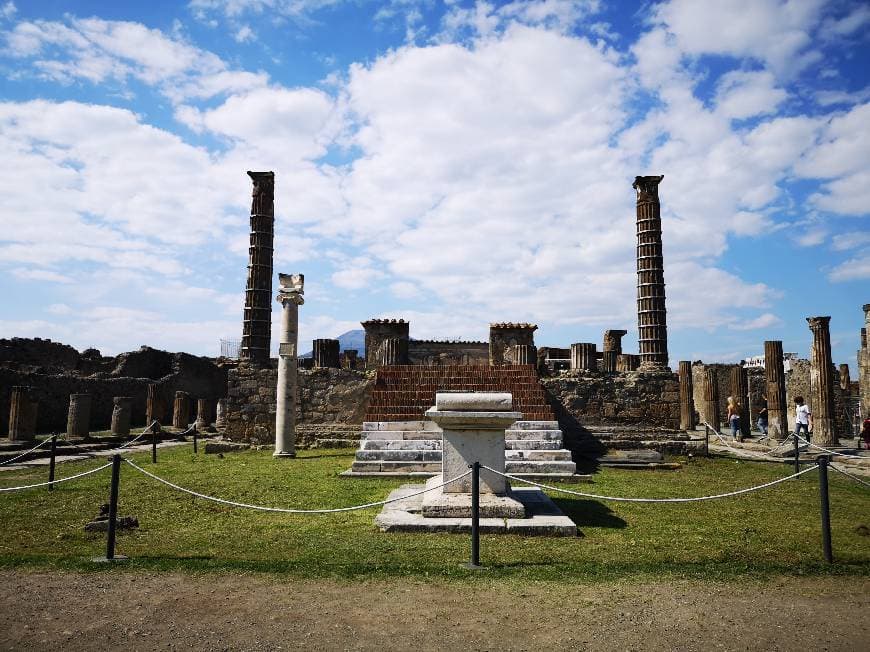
column 772, row 532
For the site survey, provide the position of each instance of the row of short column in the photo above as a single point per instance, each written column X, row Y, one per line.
column 24, row 408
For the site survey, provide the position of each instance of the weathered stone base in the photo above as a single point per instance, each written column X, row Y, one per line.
column 543, row 518
column 437, row 504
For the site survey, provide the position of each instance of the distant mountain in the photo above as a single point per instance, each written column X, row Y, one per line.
column 355, row 339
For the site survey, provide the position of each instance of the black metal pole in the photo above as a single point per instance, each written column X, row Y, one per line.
column 475, row 516
column 826, row 508
column 797, row 455
column 51, row 462
column 706, row 440
column 194, row 441
column 154, row 446
column 113, row 506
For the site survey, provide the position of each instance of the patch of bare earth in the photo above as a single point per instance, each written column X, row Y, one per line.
column 139, row 611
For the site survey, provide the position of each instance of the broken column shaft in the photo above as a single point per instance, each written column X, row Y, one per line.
column 22, row 414
column 687, row 405
column 584, row 356
column 774, row 375
column 822, row 383
column 78, row 419
column 711, row 399
column 181, row 410
column 122, row 406
column 651, row 314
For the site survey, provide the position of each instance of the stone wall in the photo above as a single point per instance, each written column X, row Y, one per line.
column 430, row 352
column 29, row 362
column 625, row 399
column 324, row 396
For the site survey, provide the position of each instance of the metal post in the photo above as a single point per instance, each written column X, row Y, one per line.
column 154, row 447
column 475, row 516
column 113, row 506
column 194, row 441
column 706, row 440
column 797, row 455
column 51, row 462
column 826, row 508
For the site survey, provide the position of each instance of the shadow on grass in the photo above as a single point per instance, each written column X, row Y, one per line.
column 589, row 513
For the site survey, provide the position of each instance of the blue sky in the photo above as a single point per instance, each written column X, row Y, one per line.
column 451, row 163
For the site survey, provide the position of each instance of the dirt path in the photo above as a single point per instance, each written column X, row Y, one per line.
column 56, row 610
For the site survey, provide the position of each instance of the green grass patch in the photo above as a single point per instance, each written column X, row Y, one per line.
column 772, row 532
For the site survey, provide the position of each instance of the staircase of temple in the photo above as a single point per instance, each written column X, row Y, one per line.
column 397, row 440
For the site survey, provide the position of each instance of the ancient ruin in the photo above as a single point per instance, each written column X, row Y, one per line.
column 777, row 409
column 290, row 291
column 257, row 329
column 821, row 383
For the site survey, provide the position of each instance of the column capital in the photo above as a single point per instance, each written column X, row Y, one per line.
column 818, row 323
column 647, row 187
column 290, row 288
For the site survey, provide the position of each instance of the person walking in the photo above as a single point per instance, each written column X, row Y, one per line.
column 803, row 418
column 865, row 434
column 762, row 415
column 734, row 417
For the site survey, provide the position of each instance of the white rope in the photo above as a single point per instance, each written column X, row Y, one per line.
column 743, row 451
column 848, row 475
column 828, row 450
column 285, row 510
column 653, row 500
column 18, row 457
column 72, row 477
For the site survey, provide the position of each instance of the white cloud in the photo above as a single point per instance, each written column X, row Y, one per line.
column 244, row 34
column 767, row 320
column 8, row 10
column 743, row 94
column 853, row 269
column 851, row 240
column 31, row 274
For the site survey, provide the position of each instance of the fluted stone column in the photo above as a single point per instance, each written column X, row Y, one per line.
column 290, row 297
column 584, row 356
column 525, row 354
column 651, row 314
column 326, row 354
column 613, row 340
column 220, row 419
column 78, row 418
column 864, row 364
column 627, row 362
column 608, row 361
column 774, row 375
column 822, row 383
column 257, row 325
column 394, row 350
column 711, row 399
column 23, row 409
column 350, row 358
column 181, row 410
column 687, row 404
column 155, row 405
column 740, row 390
column 203, row 413
column 122, row 406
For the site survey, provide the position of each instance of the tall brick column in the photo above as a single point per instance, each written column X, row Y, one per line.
column 711, row 399
column 774, row 375
column 257, row 325
column 651, row 314
column 78, row 418
column 822, row 383
column 584, row 356
column 740, row 390
column 687, row 404
column 22, row 414
column 122, row 406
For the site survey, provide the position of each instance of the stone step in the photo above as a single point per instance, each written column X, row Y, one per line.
column 560, row 455
column 514, row 466
column 335, row 443
column 552, row 435
column 401, row 444
column 535, row 425
column 397, row 435
column 399, row 456
column 395, row 467
column 532, row 444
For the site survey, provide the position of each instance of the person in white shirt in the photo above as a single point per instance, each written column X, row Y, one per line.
column 803, row 417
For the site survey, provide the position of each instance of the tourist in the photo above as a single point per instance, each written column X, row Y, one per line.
column 865, row 434
column 734, row 417
column 803, row 417
column 762, row 415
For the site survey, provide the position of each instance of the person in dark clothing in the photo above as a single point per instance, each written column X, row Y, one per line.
column 762, row 415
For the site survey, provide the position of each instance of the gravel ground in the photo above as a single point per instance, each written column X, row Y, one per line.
column 51, row 610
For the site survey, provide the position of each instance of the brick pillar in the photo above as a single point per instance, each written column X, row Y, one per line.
column 687, row 404
column 774, row 375
column 608, row 361
column 711, row 399
column 627, row 362
column 525, row 354
column 326, row 353
column 155, row 405
column 78, row 418
column 394, row 350
column 584, row 355
column 740, row 390
column 257, row 325
column 504, row 335
column 122, row 406
column 379, row 330
column 822, row 383
column 651, row 313
column 204, row 413
column 220, row 419
column 23, row 409
column 181, row 410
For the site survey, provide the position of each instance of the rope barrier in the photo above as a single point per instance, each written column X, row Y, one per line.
column 18, row 457
column 286, row 510
column 849, row 475
column 743, row 451
column 43, row 484
column 828, row 450
column 654, row 500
